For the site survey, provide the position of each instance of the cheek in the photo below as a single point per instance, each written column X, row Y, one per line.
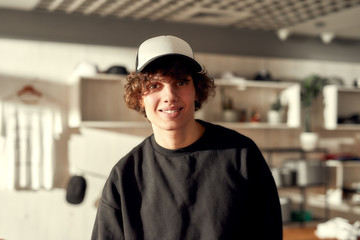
column 190, row 95
column 147, row 101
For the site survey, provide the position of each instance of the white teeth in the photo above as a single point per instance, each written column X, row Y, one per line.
column 170, row 111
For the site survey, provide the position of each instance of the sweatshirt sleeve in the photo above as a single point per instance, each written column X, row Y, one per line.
column 265, row 210
column 108, row 222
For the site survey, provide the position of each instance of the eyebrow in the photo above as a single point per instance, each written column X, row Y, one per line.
column 183, row 80
column 161, row 79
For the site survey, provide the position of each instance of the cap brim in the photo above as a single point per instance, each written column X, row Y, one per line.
column 190, row 61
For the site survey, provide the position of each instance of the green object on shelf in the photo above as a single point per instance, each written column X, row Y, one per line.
column 301, row 216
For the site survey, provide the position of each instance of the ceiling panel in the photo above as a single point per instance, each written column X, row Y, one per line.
column 307, row 17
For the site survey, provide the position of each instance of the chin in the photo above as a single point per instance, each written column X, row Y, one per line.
column 169, row 125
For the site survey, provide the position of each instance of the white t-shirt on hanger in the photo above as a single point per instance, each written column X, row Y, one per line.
column 29, row 131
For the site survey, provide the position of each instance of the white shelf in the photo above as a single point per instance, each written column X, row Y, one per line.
column 347, row 127
column 289, row 93
column 106, row 77
column 254, row 125
column 348, row 89
column 137, row 124
column 102, row 105
column 340, row 101
column 242, row 84
column 347, row 163
column 340, row 165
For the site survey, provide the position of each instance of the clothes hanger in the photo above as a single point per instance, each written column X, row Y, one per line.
column 29, row 89
column 29, row 95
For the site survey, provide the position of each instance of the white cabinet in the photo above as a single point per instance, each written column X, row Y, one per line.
column 341, row 103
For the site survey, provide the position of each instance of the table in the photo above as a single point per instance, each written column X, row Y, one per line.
column 301, row 233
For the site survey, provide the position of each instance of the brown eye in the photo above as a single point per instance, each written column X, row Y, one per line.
column 182, row 82
column 153, row 86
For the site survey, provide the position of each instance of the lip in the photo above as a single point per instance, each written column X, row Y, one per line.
column 171, row 112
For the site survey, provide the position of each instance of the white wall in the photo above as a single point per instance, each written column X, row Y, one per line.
column 45, row 214
column 280, row 68
column 49, row 61
column 55, row 62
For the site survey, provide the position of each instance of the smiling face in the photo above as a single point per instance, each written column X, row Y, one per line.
column 170, row 102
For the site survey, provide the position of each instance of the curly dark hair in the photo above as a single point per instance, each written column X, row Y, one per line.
column 172, row 66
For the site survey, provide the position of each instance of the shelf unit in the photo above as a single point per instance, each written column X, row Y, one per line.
column 253, row 125
column 268, row 152
column 324, row 201
column 340, row 169
column 102, row 104
column 337, row 101
column 248, row 95
column 242, row 84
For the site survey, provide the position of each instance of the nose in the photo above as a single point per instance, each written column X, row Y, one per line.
column 169, row 93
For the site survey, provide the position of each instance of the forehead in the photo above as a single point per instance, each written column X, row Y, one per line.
column 169, row 76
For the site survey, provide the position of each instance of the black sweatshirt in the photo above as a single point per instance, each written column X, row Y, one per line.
column 220, row 187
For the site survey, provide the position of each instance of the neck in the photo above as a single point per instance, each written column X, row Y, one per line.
column 179, row 138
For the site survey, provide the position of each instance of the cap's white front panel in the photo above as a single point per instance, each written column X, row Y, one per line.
column 160, row 46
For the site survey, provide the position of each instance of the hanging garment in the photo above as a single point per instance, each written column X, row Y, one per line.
column 29, row 130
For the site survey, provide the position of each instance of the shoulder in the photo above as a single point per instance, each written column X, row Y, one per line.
column 221, row 135
column 135, row 156
column 124, row 173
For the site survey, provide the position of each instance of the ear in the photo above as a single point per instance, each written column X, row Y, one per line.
column 196, row 97
column 141, row 102
column 142, row 106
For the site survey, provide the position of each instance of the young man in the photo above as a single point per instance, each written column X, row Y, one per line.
column 190, row 179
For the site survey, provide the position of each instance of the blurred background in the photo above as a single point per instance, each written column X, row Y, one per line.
column 64, row 124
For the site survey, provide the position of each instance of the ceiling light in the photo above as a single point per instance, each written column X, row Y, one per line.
column 327, row 37
column 19, row 4
column 211, row 16
column 283, row 34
